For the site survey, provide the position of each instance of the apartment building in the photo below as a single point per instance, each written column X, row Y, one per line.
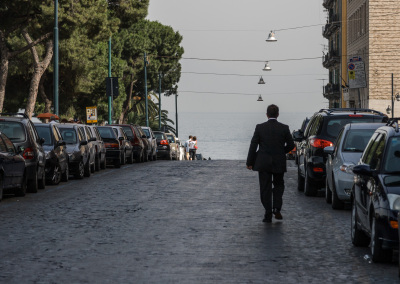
column 373, row 35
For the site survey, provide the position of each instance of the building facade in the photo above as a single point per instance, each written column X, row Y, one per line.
column 373, row 34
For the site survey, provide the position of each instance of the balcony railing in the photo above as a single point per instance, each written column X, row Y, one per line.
column 330, row 59
column 331, row 26
column 332, row 91
column 327, row 4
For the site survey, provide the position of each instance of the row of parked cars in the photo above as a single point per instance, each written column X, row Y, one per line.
column 354, row 156
column 33, row 155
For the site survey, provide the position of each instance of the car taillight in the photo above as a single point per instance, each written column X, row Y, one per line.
column 320, row 143
column 136, row 140
column 164, row 142
column 112, row 145
column 120, row 142
column 28, row 154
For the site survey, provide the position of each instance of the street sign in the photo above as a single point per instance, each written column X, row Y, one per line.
column 91, row 114
column 356, row 73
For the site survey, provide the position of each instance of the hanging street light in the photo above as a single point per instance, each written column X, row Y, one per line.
column 266, row 67
column 261, row 81
column 271, row 37
column 260, row 99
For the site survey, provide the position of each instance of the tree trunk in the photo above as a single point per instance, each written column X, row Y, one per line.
column 123, row 117
column 39, row 68
column 42, row 93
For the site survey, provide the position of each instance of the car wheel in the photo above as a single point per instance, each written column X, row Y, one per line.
column 378, row 254
column 146, row 157
column 80, row 171
column 42, row 181
column 93, row 167
column 87, row 171
column 21, row 191
column 33, row 183
column 358, row 237
column 97, row 163
column 300, row 181
column 328, row 192
column 65, row 175
column 56, row 177
column 130, row 158
column 170, row 156
column 336, row 202
column 309, row 187
column 155, row 157
column 104, row 164
column 117, row 163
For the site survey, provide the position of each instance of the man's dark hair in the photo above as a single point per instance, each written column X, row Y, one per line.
column 190, row 136
column 273, row 111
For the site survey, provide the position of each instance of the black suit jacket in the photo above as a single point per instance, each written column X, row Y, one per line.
column 274, row 141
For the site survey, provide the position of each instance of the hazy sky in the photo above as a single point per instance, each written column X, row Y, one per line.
column 237, row 30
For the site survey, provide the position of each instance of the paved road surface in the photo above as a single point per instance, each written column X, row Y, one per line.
column 177, row 222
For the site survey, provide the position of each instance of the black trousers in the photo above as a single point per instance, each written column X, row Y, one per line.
column 271, row 198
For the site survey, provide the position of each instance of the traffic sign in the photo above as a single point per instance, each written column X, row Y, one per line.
column 91, row 114
column 356, row 74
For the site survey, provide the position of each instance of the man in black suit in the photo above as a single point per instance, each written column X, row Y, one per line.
column 274, row 141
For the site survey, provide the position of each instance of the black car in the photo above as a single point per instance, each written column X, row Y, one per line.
column 375, row 194
column 100, row 149
column 114, row 148
column 321, row 132
column 126, row 146
column 12, row 168
column 301, row 130
column 57, row 168
column 77, row 149
column 163, row 146
column 21, row 131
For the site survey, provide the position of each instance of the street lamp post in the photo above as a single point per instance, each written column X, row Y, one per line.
column 159, row 101
column 145, row 90
column 176, row 114
column 110, row 97
column 55, row 72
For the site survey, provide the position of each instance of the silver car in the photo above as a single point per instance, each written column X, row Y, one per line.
column 345, row 154
column 174, row 146
column 152, row 152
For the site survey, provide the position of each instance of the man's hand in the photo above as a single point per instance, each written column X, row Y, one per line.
column 249, row 167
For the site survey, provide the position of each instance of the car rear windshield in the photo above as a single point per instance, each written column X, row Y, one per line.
column 336, row 123
column 357, row 139
column 128, row 131
column 147, row 132
column 392, row 159
column 13, row 130
column 171, row 138
column 44, row 132
column 107, row 132
column 159, row 136
column 69, row 135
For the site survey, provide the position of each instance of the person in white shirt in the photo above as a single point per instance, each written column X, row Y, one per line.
column 187, row 147
column 193, row 148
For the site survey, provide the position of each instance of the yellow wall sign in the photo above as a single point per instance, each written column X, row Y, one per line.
column 91, row 114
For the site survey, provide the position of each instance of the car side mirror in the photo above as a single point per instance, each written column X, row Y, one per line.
column 329, row 150
column 364, row 170
column 121, row 138
column 92, row 139
column 41, row 141
column 20, row 149
column 298, row 136
column 61, row 143
column 144, row 136
column 83, row 143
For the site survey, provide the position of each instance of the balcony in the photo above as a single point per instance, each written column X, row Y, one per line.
column 330, row 59
column 331, row 26
column 328, row 4
column 332, row 91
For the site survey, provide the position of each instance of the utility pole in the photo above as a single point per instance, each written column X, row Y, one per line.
column 55, row 72
column 176, row 114
column 110, row 97
column 159, row 102
column 145, row 90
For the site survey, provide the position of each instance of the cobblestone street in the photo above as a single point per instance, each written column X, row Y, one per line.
column 178, row 222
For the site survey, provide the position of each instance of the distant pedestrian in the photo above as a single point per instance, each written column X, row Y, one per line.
column 193, row 148
column 274, row 141
column 186, row 145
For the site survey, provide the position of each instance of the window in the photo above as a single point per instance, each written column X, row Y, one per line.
column 375, row 151
column 44, row 132
column 128, row 131
column 392, row 159
column 13, row 130
column 357, row 139
column 68, row 135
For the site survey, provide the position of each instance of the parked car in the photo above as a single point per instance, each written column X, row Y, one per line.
column 114, row 148
column 152, row 142
column 12, row 168
column 321, row 132
column 127, row 149
column 133, row 135
column 21, row 131
column 301, row 130
column 77, row 149
column 146, row 144
column 87, row 135
column 347, row 152
column 100, row 149
column 55, row 148
column 174, row 146
column 375, row 195
column 163, row 146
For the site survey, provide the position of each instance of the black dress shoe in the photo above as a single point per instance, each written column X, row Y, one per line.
column 267, row 218
column 278, row 215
